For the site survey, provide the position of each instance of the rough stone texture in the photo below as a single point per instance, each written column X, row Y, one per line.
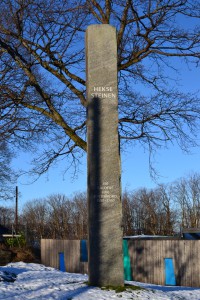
column 104, row 189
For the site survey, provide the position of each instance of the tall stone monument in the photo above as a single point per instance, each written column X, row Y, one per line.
column 104, row 190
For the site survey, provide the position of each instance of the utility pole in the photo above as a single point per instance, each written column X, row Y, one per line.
column 16, row 210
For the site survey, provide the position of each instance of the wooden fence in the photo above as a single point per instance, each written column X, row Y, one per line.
column 147, row 259
column 50, row 250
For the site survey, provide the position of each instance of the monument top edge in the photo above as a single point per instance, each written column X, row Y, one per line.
column 97, row 26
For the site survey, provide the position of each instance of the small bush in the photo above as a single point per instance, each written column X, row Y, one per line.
column 16, row 241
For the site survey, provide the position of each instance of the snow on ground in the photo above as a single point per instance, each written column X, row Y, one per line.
column 35, row 281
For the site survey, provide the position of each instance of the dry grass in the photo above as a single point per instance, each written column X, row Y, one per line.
column 25, row 254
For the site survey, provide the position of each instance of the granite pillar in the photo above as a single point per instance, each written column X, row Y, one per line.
column 104, row 188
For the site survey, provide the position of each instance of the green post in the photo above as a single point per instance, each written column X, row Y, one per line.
column 127, row 262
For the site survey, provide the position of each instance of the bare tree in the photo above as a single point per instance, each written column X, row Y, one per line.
column 55, row 216
column 7, row 175
column 60, row 211
column 34, row 220
column 149, row 212
column 186, row 193
column 43, row 73
column 128, row 213
column 80, row 216
column 6, row 216
column 168, row 219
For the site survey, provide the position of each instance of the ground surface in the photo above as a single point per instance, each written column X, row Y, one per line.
column 34, row 281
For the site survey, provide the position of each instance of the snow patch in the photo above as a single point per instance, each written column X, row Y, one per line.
column 36, row 281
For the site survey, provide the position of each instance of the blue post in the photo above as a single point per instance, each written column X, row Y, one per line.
column 84, row 252
column 62, row 262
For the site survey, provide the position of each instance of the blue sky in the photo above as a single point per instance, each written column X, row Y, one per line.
column 170, row 163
